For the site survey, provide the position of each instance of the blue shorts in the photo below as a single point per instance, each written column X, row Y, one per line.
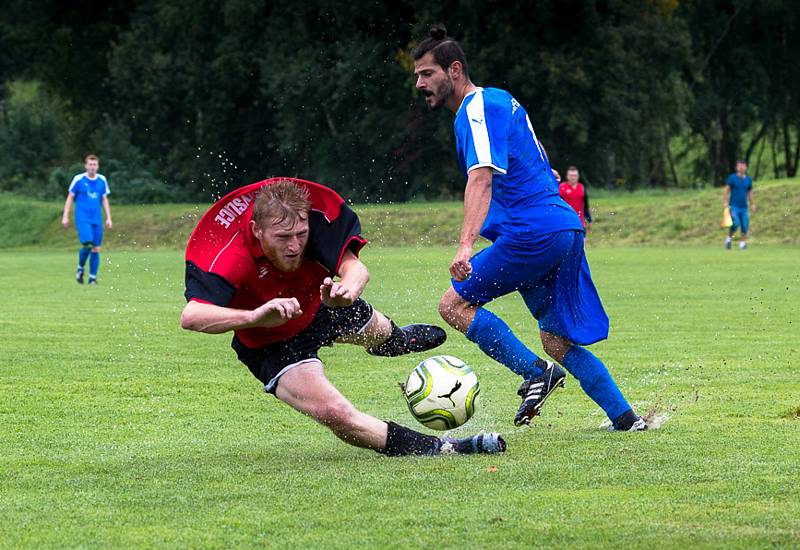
column 552, row 275
column 741, row 218
column 89, row 232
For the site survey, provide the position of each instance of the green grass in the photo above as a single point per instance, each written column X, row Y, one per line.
column 119, row 430
column 642, row 217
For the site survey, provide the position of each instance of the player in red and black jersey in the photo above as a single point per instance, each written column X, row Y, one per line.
column 262, row 263
column 575, row 195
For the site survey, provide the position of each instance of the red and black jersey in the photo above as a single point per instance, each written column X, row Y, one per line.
column 226, row 266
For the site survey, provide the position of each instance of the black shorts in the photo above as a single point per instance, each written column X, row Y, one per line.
column 269, row 363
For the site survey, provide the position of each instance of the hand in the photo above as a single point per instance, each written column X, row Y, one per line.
column 461, row 268
column 335, row 294
column 588, row 227
column 753, row 207
column 109, row 225
column 276, row 312
column 556, row 175
column 65, row 222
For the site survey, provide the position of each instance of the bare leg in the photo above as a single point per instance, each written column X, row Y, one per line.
column 456, row 311
column 555, row 346
column 306, row 389
column 375, row 332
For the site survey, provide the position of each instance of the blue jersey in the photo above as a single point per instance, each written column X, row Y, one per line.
column 89, row 195
column 739, row 188
column 493, row 130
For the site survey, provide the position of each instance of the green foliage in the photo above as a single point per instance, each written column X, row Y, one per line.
column 195, row 98
column 122, row 431
column 32, row 128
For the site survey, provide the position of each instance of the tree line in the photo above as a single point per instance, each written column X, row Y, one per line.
column 184, row 100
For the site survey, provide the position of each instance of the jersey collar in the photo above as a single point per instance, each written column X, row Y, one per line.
column 476, row 90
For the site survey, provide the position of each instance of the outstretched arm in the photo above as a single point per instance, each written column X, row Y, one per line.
column 67, row 208
column 213, row 319
column 477, row 197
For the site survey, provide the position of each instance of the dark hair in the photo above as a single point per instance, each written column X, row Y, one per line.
column 741, row 161
column 573, row 168
column 444, row 49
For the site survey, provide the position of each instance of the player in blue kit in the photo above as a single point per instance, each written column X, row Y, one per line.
column 512, row 199
column 737, row 194
column 89, row 191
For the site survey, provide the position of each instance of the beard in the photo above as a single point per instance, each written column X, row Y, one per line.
column 441, row 95
column 286, row 264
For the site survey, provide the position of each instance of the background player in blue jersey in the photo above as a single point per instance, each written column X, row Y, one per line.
column 88, row 191
column 512, row 199
column 738, row 190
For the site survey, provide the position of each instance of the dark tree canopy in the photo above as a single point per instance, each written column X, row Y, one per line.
column 186, row 99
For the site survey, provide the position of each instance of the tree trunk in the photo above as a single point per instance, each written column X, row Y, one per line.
column 790, row 156
column 754, row 142
column 775, row 172
column 669, row 157
column 757, row 172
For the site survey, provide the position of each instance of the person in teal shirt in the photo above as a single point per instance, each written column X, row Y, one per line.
column 737, row 196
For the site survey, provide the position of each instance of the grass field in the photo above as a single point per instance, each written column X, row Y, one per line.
column 119, row 430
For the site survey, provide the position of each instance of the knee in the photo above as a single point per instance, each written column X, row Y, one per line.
column 338, row 416
column 453, row 308
column 555, row 346
column 95, row 249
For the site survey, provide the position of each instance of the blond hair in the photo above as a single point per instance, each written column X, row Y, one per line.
column 281, row 201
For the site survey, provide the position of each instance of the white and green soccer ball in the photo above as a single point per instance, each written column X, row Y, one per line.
column 442, row 392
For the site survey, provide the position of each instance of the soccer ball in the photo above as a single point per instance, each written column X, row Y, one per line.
column 442, row 392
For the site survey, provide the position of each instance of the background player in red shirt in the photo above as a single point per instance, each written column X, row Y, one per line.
column 270, row 279
column 574, row 193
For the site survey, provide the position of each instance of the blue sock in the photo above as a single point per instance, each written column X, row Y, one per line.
column 596, row 381
column 94, row 264
column 83, row 255
column 496, row 340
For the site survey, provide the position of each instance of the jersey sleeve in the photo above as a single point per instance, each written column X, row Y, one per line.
column 207, row 287
column 73, row 185
column 225, row 275
column 106, row 189
column 329, row 239
column 483, row 135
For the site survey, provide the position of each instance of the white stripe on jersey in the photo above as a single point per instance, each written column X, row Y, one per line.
column 102, row 177
column 535, row 139
column 74, row 181
column 477, row 125
column 480, row 134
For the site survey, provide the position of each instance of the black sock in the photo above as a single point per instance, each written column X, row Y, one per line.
column 401, row 441
column 393, row 346
column 624, row 421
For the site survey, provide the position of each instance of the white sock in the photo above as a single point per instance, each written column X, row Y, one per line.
column 742, row 244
